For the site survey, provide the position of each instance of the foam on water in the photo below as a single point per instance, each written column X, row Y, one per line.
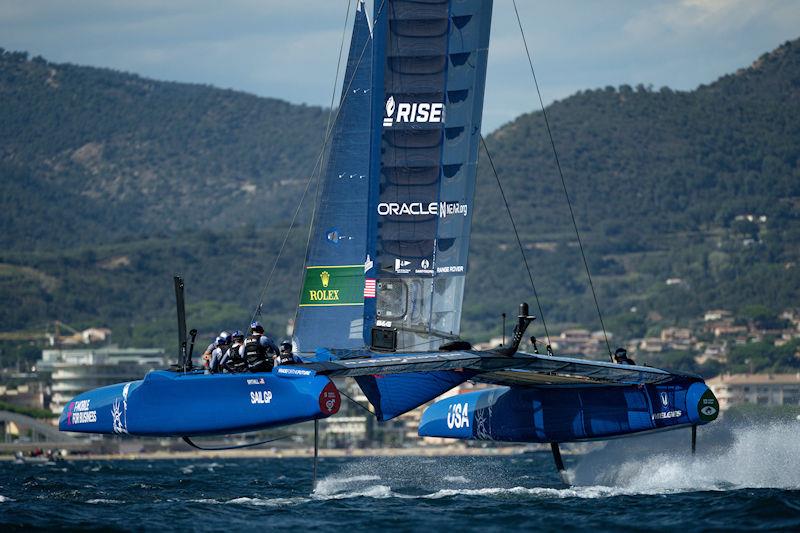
column 758, row 456
column 97, row 501
column 6, row 499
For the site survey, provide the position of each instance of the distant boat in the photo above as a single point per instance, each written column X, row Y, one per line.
column 384, row 277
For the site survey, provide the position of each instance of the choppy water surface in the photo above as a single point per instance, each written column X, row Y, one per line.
column 748, row 480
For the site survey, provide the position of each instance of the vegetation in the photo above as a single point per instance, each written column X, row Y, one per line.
column 112, row 183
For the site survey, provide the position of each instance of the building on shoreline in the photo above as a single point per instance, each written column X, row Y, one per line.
column 756, row 389
column 73, row 371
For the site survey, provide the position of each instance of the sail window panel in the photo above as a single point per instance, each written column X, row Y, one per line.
column 419, row 29
column 411, row 175
column 392, row 299
column 452, row 172
column 446, row 306
column 417, row 9
column 417, row 38
column 406, row 231
column 413, row 138
column 414, row 157
column 417, row 65
column 408, row 194
column 464, row 34
column 460, row 8
column 408, row 249
column 462, row 75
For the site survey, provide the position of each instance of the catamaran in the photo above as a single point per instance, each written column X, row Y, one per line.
column 384, row 278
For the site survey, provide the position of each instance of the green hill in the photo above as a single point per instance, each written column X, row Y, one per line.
column 113, row 182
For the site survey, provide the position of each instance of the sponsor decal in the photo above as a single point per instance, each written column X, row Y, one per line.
column 383, row 323
column 458, row 415
column 412, row 113
column 289, row 371
column 119, row 417
column 400, row 266
column 255, row 381
column 368, row 264
column 370, row 287
column 667, row 414
column 260, row 396
column 440, row 209
column 664, row 399
column 79, row 413
column 708, row 406
column 449, row 269
column 329, row 399
column 333, row 285
column 424, row 267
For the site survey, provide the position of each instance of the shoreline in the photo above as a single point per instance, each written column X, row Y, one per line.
column 306, row 453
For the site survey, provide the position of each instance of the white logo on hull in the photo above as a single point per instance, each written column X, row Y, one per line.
column 458, row 415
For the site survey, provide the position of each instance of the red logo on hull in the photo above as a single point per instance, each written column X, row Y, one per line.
column 329, row 400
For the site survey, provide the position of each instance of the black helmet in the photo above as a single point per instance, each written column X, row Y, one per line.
column 286, row 345
column 237, row 336
column 621, row 353
column 256, row 327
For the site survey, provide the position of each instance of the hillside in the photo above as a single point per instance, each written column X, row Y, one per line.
column 113, row 182
column 141, row 157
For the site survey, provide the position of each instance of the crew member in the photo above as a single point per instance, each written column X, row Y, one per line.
column 621, row 357
column 223, row 343
column 233, row 360
column 259, row 349
column 209, row 353
column 286, row 357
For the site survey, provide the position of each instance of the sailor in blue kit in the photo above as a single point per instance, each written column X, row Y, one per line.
column 286, row 357
column 217, row 354
column 209, row 353
column 258, row 350
column 621, row 357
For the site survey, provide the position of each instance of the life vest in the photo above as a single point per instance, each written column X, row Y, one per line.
column 253, row 348
column 285, row 359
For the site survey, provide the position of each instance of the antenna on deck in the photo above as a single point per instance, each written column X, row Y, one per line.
column 179, row 301
column 523, row 321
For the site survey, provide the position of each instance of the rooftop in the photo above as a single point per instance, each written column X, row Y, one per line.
column 755, row 379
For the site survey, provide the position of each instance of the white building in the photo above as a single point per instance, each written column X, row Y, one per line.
column 757, row 389
column 75, row 371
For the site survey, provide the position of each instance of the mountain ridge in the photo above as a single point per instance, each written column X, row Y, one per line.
column 657, row 179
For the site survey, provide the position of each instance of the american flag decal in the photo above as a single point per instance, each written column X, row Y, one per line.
column 369, row 288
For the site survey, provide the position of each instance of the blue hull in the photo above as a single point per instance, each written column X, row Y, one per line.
column 176, row 404
column 553, row 414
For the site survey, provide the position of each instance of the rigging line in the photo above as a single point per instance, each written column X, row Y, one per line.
column 311, row 176
column 361, row 405
column 519, row 241
column 563, row 182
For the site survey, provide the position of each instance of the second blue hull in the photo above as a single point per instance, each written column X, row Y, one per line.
column 568, row 414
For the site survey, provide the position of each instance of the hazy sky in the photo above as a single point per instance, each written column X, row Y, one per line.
column 288, row 48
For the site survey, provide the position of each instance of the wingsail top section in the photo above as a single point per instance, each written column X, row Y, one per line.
column 391, row 235
column 429, row 73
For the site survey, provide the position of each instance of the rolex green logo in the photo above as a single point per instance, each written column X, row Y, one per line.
column 333, row 285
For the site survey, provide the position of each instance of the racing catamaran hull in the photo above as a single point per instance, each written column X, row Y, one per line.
column 569, row 413
column 191, row 404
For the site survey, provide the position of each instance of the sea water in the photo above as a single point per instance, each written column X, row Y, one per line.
column 747, row 478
